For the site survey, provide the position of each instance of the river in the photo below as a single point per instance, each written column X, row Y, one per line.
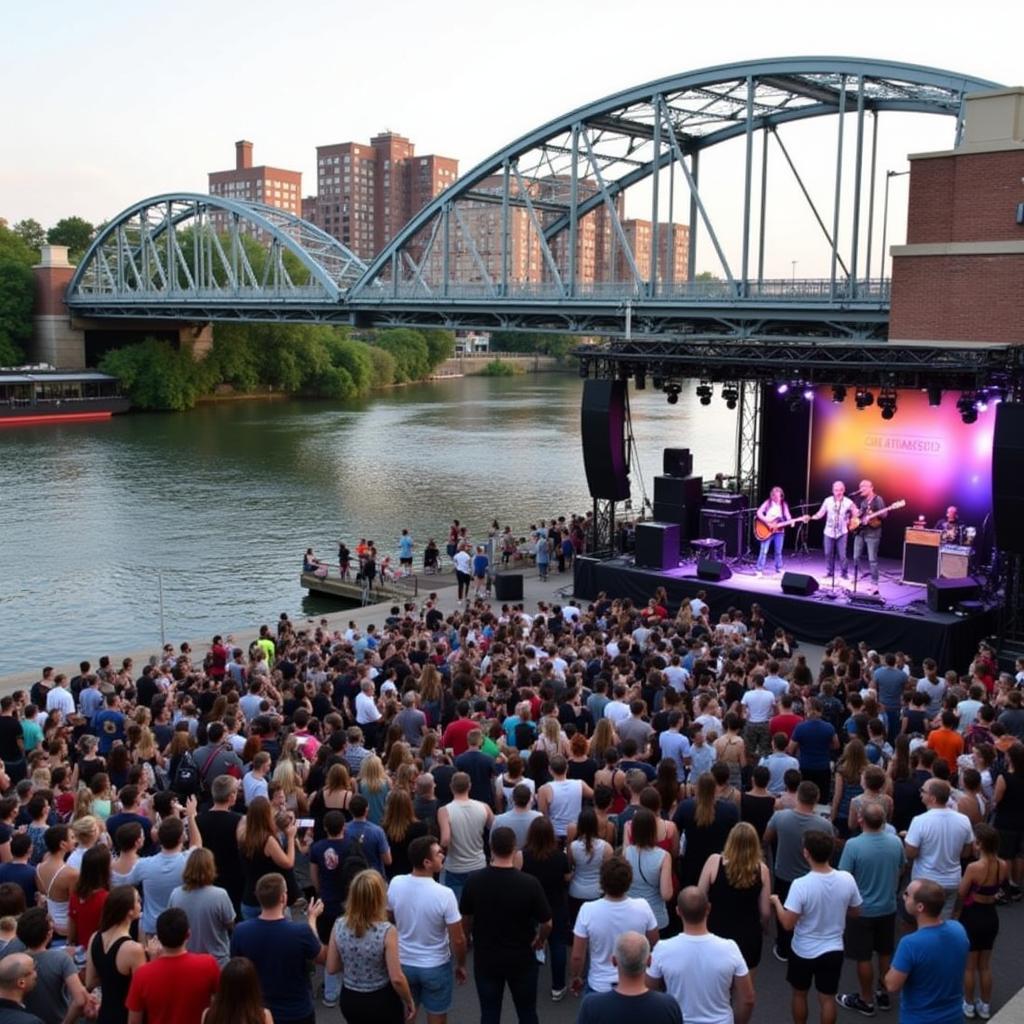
column 223, row 500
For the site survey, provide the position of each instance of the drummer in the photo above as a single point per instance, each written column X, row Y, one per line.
column 950, row 526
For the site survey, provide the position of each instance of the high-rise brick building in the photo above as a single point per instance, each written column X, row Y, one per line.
column 271, row 185
column 367, row 192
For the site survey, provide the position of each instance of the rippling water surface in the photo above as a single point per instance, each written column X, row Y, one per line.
column 224, row 500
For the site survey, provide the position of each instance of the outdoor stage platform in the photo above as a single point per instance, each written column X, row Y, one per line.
column 903, row 623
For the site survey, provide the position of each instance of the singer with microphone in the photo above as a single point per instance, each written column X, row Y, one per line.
column 836, row 511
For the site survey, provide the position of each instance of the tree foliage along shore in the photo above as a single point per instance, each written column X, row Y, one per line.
column 319, row 361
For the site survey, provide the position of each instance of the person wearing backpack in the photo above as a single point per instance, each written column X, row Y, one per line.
column 363, row 839
column 218, row 757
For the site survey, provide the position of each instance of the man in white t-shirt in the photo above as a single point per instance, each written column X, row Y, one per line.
column 937, row 840
column 675, row 744
column 816, row 910
column 676, row 674
column 617, row 709
column 760, row 706
column 463, row 572
column 601, row 921
column 367, row 713
column 705, row 974
column 430, row 935
column 59, row 698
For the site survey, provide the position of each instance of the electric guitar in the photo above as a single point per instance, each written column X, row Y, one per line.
column 855, row 522
column 763, row 530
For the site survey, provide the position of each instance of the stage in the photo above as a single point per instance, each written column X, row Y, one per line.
column 903, row 622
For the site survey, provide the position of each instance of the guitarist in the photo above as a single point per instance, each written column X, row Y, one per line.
column 773, row 510
column 869, row 537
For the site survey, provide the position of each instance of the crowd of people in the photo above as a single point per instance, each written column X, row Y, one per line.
column 645, row 802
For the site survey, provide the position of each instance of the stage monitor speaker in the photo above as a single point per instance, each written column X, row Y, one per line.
column 603, row 431
column 944, row 595
column 657, row 545
column 1008, row 477
column 677, row 462
column 799, row 583
column 679, row 490
column 726, row 526
column 508, row 586
column 711, row 569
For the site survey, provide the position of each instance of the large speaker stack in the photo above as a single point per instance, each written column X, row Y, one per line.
column 678, row 500
column 603, row 430
column 1008, row 477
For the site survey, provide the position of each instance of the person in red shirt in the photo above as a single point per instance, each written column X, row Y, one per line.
column 946, row 741
column 785, row 721
column 218, row 659
column 90, row 893
column 456, row 736
column 177, row 986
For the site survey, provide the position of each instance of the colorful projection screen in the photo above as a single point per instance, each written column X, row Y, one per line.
column 924, row 455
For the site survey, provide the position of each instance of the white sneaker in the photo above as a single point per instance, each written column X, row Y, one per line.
column 984, row 1010
column 759, row 573
column 969, row 1010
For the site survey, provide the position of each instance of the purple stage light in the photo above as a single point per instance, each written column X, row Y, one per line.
column 782, row 389
column 809, row 395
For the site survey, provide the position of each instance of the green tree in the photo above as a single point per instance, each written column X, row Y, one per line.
column 31, row 233
column 412, row 357
column 74, row 232
column 14, row 247
column 16, row 299
column 557, row 345
column 158, row 376
column 383, row 367
column 440, row 345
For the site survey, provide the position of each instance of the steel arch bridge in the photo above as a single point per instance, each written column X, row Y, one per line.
column 536, row 236
column 198, row 257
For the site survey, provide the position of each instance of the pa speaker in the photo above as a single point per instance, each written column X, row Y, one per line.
column 677, row 462
column 799, row 583
column 944, row 595
column 1008, row 477
column 657, row 545
column 679, row 490
column 711, row 569
column 508, row 586
column 602, row 428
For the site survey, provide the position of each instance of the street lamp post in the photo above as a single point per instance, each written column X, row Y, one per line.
column 792, row 274
column 889, row 175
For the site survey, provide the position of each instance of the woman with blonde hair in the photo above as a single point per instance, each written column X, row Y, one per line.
column 738, row 886
column 400, row 754
column 373, row 784
column 364, row 949
column 295, row 797
column 83, row 804
column 551, row 739
column 603, row 738
column 431, row 694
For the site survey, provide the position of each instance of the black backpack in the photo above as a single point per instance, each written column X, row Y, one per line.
column 186, row 776
column 354, row 862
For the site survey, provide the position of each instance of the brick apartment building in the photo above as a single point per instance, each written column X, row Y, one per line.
column 367, row 192
column 274, row 186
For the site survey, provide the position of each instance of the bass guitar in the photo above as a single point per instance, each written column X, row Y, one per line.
column 763, row 530
column 855, row 522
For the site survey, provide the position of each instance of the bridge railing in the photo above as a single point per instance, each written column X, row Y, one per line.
column 784, row 290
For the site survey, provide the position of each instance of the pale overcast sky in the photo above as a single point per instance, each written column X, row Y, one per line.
column 108, row 102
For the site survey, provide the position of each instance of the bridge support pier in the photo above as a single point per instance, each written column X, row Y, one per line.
column 55, row 340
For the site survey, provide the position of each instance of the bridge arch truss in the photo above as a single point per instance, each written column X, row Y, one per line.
column 536, row 237
column 199, row 257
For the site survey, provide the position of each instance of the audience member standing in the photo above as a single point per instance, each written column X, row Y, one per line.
column 631, row 998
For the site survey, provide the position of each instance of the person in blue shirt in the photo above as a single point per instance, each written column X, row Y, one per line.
column 812, row 743
column 928, row 968
column 480, row 564
column 405, row 546
column 109, row 724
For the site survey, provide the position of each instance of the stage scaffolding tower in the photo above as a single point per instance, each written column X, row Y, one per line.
column 748, row 439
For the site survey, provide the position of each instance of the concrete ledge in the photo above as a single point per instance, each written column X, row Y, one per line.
column 1012, row 1012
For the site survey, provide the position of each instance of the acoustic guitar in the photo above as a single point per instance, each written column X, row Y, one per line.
column 763, row 530
column 855, row 522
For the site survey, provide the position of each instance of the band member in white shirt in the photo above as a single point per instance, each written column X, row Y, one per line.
column 774, row 510
column 836, row 511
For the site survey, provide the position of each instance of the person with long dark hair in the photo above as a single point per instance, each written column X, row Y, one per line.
column 238, row 999
column 544, row 859
column 261, row 850
column 704, row 822
column 114, row 955
column 85, row 908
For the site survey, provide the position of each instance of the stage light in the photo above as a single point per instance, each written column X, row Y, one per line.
column 863, row 398
column 934, row 396
column 838, row 393
column 967, row 407
column 704, row 392
column 982, row 405
column 809, row 394
column 640, row 378
column 887, row 403
column 672, row 397
column 782, row 389
column 731, row 394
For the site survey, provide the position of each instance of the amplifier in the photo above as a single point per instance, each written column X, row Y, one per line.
column 945, row 595
column 954, row 562
column 920, row 555
column 678, row 490
column 727, row 501
column 726, row 526
column 657, row 545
